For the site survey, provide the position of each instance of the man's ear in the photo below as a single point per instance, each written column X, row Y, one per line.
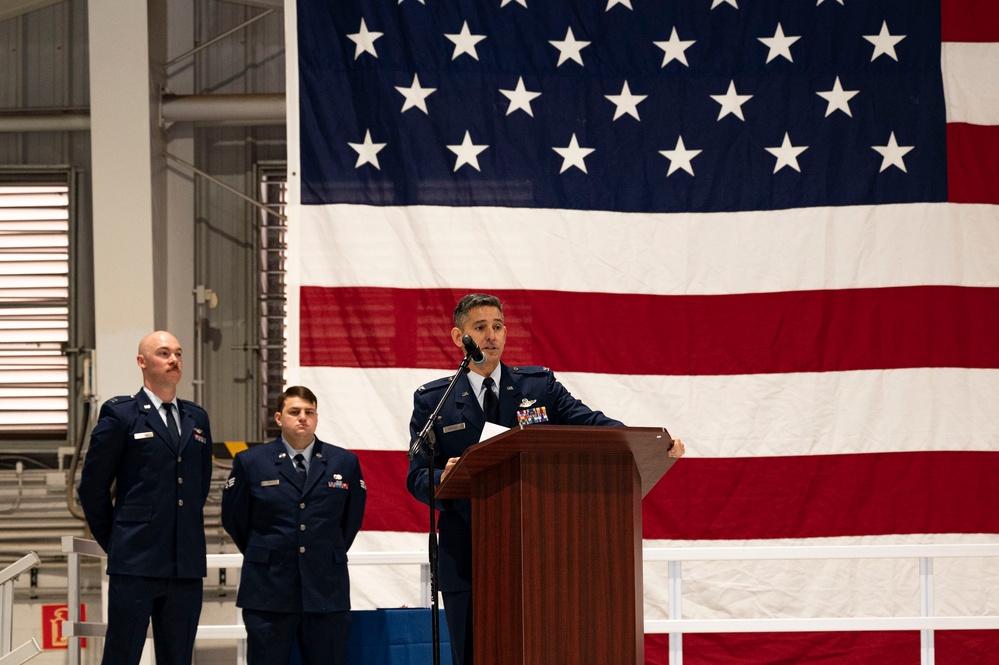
column 456, row 336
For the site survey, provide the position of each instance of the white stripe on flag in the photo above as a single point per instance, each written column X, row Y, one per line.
column 904, row 410
column 971, row 82
column 606, row 252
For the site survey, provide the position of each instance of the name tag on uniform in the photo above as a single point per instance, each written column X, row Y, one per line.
column 143, row 435
column 454, row 428
column 269, row 483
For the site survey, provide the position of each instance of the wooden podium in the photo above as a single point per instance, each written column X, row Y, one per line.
column 557, row 541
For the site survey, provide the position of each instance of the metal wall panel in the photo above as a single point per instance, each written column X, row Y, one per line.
column 45, row 66
column 251, row 60
column 248, row 61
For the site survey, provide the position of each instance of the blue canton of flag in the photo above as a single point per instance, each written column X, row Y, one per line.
column 625, row 105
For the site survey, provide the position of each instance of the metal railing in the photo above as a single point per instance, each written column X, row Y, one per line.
column 8, row 576
column 76, row 548
column 674, row 557
column 926, row 623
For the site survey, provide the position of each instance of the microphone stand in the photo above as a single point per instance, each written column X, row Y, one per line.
column 426, row 441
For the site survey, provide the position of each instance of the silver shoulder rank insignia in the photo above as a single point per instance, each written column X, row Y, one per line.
column 524, row 403
column 363, row 486
column 229, row 483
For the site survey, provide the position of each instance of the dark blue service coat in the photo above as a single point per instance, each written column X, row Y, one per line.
column 154, row 527
column 459, row 426
column 294, row 537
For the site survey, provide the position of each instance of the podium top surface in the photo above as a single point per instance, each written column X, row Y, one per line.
column 646, row 445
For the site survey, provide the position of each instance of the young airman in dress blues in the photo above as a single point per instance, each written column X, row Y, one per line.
column 293, row 507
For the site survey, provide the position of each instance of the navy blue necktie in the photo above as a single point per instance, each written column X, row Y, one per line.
column 490, row 402
column 171, row 423
column 300, row 464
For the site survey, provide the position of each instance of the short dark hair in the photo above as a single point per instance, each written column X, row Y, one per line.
column 296, row 391
column 470, row 302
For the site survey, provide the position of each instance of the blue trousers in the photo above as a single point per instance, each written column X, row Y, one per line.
column 173, row 605
column 322, row 638
column 458, row 612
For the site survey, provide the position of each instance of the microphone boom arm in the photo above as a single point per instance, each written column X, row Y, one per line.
column 426, row 440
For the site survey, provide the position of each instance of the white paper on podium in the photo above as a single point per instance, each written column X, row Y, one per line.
column 489, row 430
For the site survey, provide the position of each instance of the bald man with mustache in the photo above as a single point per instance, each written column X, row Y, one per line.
column 143, row 488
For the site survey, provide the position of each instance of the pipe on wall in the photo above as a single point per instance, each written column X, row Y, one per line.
column 242, row 110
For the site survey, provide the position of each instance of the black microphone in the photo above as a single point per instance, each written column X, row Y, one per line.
column 473, row 351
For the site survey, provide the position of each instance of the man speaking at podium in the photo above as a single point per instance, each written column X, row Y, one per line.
column 490, row 392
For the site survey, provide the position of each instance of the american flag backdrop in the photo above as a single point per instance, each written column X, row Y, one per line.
column 768, row 225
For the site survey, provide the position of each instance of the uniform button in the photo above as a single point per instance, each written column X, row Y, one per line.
column 302, row 506
column 301, row 550
column 180, row 459
column 180, row 502
column 301, row 527
column 180, row 481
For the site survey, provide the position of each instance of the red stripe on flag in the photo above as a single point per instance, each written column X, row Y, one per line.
column 389, row 506
column 771, row 497
column 963, row 647
column 825, row 496
column 860, row 648
column 756, row 333
column 953, row 647
column 972, row 166
column 969, row 21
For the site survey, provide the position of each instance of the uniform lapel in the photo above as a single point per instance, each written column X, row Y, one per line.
column 186, row 426
column 317, row 467
column 508, row 399
column 153, row 418
column 284, row 465
column 467, row 403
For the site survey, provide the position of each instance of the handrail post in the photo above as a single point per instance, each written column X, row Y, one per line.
column 425, row 600
column 6, row 616
column 75, row 548
column 926, row 643
column 73, row 600
column 8, row 576
column 674, row 576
